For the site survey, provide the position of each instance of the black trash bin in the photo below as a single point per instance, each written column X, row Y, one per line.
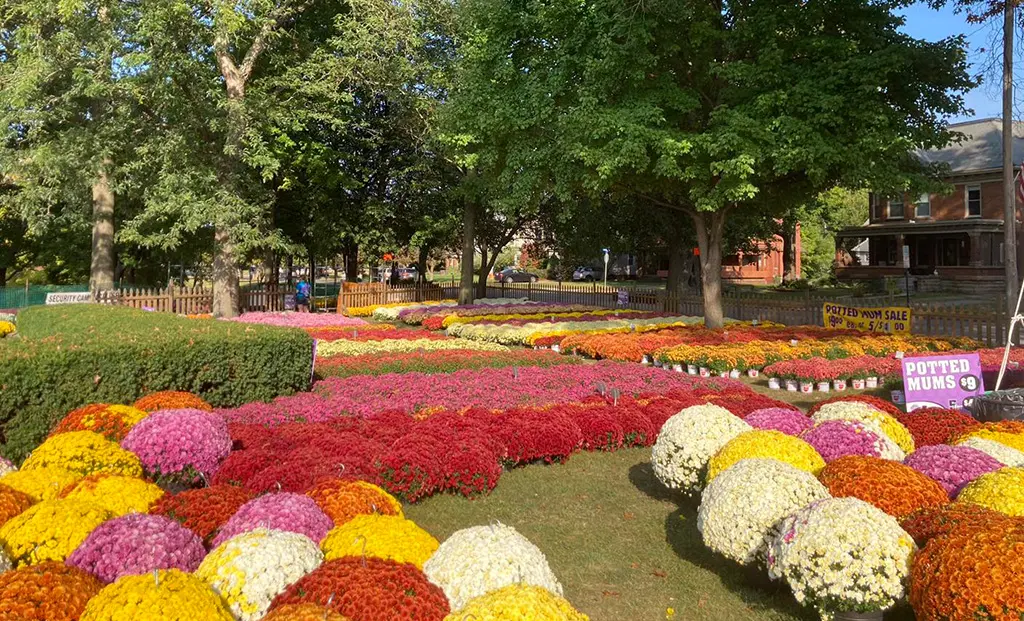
column 1001, row 405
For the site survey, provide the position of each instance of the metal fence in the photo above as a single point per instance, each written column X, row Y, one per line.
column 12, row 298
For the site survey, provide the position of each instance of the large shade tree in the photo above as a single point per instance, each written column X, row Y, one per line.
column 701, row 108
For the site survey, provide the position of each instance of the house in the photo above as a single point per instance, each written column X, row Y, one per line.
column 954, row 240
column 763, row 267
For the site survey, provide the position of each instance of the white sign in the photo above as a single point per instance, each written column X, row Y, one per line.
column 906, row 257
column 78, row 297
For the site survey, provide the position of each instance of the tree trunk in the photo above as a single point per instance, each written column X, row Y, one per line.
column 468, row 238
column 225, row 275
column 421, row 263
column 481, row 277
column 789, row 273
column 677, row 268
column 3, row 276
column 101, row 272
column 312, row 280
column 709, row 240
column 351, row 254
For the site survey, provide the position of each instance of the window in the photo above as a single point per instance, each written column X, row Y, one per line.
column 896, row 208
column 877, row 207
column 974, row 201
column 923, row 207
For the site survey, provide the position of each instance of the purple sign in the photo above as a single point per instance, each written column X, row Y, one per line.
column 942, row 381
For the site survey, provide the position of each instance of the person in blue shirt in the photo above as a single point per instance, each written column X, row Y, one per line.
column 302, row 296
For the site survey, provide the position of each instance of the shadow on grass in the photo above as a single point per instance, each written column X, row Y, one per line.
column 752, row 584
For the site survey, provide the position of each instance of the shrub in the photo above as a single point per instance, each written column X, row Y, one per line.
column 69, row 356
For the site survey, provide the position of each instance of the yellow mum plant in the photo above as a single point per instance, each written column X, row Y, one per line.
column 50, row 530
column 40, row 483
column 518, row 601
column 767, row 444
column 120, row 495
column 1002, row 490
column 84, row 453
column 164, row 595
column 381, row 536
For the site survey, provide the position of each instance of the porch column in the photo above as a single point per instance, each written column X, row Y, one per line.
column 975, row 241
column 900, row 242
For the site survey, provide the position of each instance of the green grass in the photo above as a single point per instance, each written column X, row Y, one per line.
column 623, row 547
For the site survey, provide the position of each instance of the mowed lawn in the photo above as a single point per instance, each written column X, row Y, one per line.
column 623, row 547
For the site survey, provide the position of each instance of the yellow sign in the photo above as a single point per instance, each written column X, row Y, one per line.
column 894, row 320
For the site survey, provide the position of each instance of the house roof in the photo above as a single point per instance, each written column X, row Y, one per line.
column 981, row 149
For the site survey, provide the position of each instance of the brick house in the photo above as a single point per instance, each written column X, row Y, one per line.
column 955, row 239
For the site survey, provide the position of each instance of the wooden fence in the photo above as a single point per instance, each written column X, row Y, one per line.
column 986, row 323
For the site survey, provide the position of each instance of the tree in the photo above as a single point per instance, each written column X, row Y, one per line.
column 69, row 113
column 700, row 108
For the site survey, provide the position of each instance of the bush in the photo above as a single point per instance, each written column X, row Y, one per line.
column 68, row 356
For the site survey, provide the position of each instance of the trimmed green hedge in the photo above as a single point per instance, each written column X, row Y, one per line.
column 67, row 356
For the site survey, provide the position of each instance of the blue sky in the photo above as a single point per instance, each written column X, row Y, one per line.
column 925, row 23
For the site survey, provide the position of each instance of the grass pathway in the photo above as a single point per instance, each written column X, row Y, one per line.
column 623, row 547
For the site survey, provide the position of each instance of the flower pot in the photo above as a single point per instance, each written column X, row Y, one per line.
column 897, row 397
column 858, row 384
column 871, row 382
column 875, row 615
column 793, row 342
column 556, row 348
column 704, row 372
column 646, row 361
column 839, row 384
column 1013, row 365
column 791, row 385
column 753, row 372
column 735, row 373
column 823, row 386
column 678, row 368
column 774, row 383
column 723, row 374
column 657, row 363
column 691, row 369
column 806, row 387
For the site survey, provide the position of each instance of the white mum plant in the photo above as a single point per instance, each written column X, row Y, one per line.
column 477, row 560
column 742, row 508
column 687, row 442
column 251, row 569
column 1006, row 455
column 842, row 554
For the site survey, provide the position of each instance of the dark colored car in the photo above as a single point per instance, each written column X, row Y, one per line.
column 510, row 275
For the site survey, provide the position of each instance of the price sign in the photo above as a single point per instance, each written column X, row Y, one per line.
column 942, row 381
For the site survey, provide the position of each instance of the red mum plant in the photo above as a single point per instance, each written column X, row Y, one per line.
column 897, row 489
column 970, row 573
column 547, row 435
column 49, row 591
column 879, row 404
column 387, row 426
column 930, row 522
column 601, row 427
column 931, row 426
column 369, row 589
column 295, row 471
column 412, row 466
column 240, row 466
column 203, row 511
column 637, row 428
column 471, row 470
column 660, row 408
column 245, row 436
column 172, row 400
column 12, row 502
column 740, row 402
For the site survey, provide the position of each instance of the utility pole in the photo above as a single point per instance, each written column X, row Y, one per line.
column 1009, row 193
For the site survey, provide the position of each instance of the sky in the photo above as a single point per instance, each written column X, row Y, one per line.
column 925, row 23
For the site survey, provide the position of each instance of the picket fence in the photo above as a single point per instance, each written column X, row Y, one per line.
column 986, row 323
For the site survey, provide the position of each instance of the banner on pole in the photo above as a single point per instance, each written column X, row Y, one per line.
column 893, row 319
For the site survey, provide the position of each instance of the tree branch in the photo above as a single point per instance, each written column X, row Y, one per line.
column 275, row 20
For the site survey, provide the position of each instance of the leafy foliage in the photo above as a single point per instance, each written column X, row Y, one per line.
column 73, row 355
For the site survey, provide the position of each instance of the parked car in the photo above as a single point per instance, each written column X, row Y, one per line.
column 584, row 274
column 408, row 274
column 510, row 275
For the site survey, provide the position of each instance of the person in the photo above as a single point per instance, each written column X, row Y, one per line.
column 302, row 296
